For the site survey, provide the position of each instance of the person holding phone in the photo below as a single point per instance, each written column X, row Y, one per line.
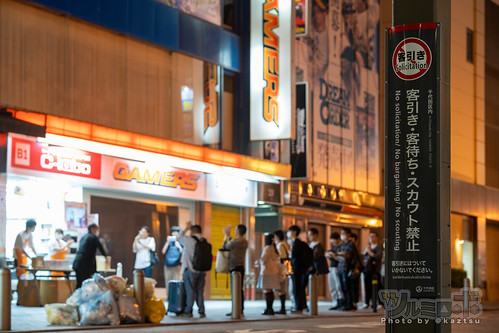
column 142, row 245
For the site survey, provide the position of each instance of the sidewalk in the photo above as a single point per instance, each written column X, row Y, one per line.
column 30, row 319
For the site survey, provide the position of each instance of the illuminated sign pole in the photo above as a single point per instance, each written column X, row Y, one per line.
column 417, row 164
column 272, row 74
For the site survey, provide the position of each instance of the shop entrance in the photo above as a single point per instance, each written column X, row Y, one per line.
column 120, row 221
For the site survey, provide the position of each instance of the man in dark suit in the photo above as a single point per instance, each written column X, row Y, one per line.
column 302, row 261
column 84, row 264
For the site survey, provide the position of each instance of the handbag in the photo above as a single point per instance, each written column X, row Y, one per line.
column 153, row 256
column 222, row 263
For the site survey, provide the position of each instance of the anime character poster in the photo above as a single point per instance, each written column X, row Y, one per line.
column 339, row 58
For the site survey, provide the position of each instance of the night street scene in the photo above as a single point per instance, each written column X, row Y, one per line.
column 249, row 166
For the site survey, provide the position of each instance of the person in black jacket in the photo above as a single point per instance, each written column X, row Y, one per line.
column 84, row 264
column 301, row 266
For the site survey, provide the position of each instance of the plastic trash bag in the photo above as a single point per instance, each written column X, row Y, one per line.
column 89, row 290
column 154, row 310
column 101, row 310
column 61, row 314
column 116, row 283
column 129, row 310
column 149, row 285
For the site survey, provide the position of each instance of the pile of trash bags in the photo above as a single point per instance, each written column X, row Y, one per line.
column 106, row 301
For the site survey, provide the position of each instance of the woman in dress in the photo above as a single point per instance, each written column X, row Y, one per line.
column 269, row 275
column 142, row 245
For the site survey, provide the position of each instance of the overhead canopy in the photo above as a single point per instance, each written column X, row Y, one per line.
column 10, row 124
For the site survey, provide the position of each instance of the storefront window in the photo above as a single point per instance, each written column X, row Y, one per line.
column 193, row 109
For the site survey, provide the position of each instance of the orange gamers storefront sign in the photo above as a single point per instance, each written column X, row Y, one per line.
column 143, row 175
column 271, row 70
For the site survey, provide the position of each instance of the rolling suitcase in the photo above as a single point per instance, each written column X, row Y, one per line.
column 176, row 296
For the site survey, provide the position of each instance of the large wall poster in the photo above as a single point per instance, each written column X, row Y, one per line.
column 339, row 59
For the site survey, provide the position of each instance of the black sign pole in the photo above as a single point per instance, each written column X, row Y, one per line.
column 417, row 164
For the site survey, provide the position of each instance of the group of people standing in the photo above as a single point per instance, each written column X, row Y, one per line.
column 345, row 266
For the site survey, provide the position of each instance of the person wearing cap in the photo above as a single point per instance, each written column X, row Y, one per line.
column 172, row 250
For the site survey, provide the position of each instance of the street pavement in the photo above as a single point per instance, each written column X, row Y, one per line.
column 33, row 319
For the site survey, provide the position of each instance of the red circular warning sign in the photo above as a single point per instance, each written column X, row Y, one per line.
column 411, row 59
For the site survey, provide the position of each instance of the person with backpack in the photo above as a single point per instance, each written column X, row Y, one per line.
column 197, row 260
column 172, row 250
column 237, row 254
column 302, row 260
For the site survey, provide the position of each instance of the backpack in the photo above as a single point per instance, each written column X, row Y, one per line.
column 173, row 255
column 203, row 259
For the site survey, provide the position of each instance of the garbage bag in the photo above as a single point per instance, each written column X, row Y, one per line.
column 61, row 314
column 101, row 310
column 129, row 309
column 154, row 310
column 149, row 285
column 116, row 283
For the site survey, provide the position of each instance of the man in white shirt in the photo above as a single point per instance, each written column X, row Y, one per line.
column 142, row 245
column 24, row 241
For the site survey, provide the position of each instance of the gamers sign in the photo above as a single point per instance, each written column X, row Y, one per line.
column 411, row 59
column 271, row 78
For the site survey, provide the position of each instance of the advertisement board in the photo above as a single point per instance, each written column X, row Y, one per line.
column 412, row 158
column 271, row 80
column 299, row 146
column 339, row 59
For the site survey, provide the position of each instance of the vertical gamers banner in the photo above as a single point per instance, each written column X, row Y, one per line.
column 272, row 37
column 339, row 60
column 412, row 158
column 211, row 112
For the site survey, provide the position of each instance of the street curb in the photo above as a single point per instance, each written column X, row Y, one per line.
column 199, row 322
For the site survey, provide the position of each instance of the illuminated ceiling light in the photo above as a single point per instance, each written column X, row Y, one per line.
column 323, row 191
column 300, row 188
column 334, row 195
column 356, row 199
column 341, row 193
column 460, row 242
column 310, row 189
column 260, row 202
